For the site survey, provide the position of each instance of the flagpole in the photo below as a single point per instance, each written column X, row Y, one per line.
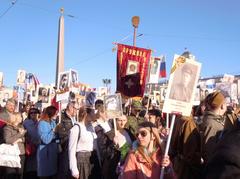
column 168, row 144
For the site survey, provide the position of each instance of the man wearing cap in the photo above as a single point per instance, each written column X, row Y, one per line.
column 213, row 123
column 68, row 119
column 181, row 90
column 133, row 118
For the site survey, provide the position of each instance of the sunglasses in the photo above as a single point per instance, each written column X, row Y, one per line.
column 142, row 133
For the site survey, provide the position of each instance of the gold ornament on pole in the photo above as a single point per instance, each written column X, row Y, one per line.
column 135, row 22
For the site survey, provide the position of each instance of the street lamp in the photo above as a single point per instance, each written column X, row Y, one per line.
column 135, row 22
column 106, row 82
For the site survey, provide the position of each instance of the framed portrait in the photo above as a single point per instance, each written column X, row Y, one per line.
column 154, row 70
column 157, row 97
column 73, row 78
column 43, row 94
column 182, row 86
column 113, row 105
column 132, row 67
column 1, row 79
column 102, row 91
column 21, row 77
column 63, row 81
column 5, row 94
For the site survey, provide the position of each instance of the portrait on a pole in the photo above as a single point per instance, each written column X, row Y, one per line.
column 21, row 76
column 182, row 85
column 113, row 105
column 63, row 81
column 74, row 78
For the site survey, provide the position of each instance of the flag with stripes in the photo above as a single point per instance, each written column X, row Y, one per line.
column 163, row 73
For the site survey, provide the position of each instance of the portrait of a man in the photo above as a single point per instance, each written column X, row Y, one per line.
column 113, row 105
column 132, row 67
column 43, row 94
column 63, row 81
column 74, row 77
column 184, row 78
column 21, row 76
column 154, row 68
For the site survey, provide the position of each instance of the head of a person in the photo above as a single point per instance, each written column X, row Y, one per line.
column 136, row 107
column 33, row 114
column 186, row 74
column 86, row 114
column 121, row 122
column 98, row 103
column 216, row 102
column 44, row 92
column 10, row 105
column 147, row 133
column 145, row 101
column 49, row 113
column 72, row 108
column 132, row 68
column 154, row 116
column 16, row 119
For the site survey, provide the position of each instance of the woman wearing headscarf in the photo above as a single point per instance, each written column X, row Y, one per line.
column 48, row 149
column 146, row 159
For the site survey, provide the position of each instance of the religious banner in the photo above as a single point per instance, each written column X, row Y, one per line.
column 132, row 69
column 182, row 86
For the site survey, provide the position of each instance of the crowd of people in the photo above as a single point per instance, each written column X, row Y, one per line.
column 81, row 142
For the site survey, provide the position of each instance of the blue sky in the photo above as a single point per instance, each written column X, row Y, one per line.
column 28, row 35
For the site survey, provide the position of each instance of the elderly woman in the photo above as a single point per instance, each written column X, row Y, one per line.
column 13, row 133
column 83, row 159
column 146, row 160
column 48, row 149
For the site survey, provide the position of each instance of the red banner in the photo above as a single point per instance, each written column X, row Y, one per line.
column 132, row 69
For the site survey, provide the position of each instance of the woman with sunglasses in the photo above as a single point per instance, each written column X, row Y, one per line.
column 146, row 159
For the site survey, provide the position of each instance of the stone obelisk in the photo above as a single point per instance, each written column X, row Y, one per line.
column 60, row 49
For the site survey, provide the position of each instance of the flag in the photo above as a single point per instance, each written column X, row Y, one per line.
column 163, row 69
column 132, row 69
column 35, row 81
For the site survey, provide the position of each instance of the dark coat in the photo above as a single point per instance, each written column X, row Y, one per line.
column 186, row 149
column 109, row 153
column 225, row 163
column 63, row 130
column 212, row 127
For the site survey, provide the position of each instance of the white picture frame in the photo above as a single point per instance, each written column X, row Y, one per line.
column 182, row 85
column 63, row 81
column 132, row 67
column 113, row 105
